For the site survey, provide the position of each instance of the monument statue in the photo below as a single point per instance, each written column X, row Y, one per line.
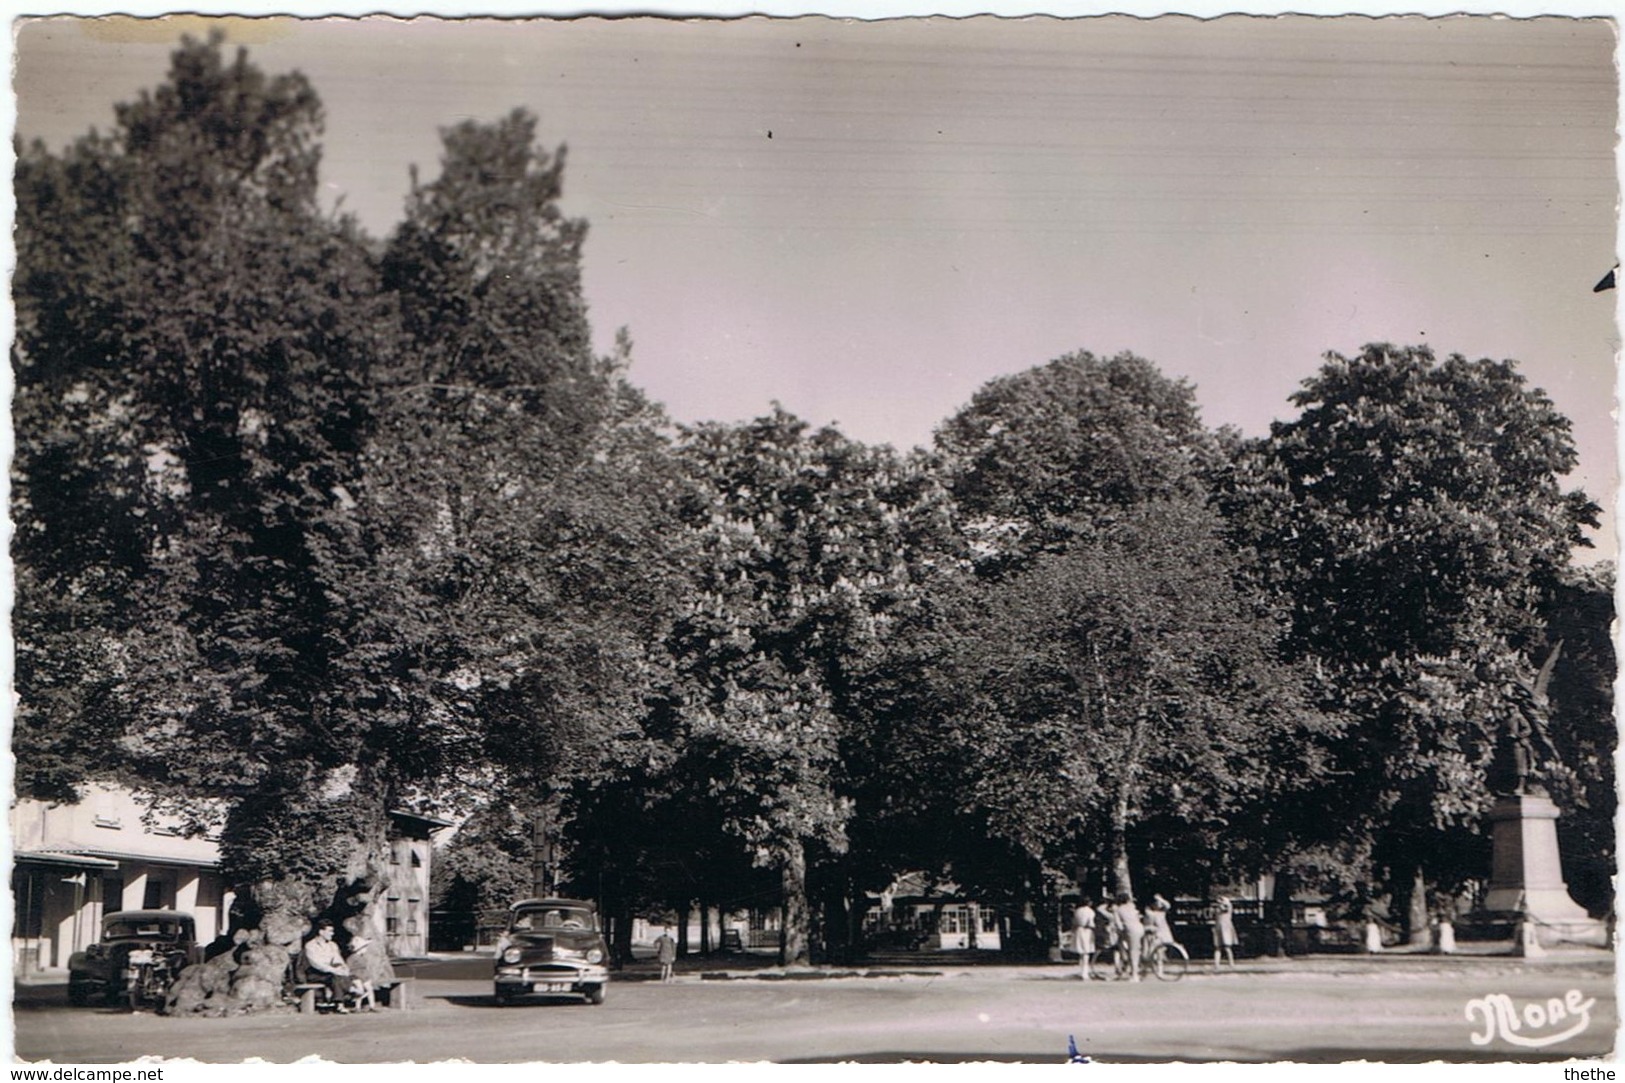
column 1525, row 755
column 1526, row 866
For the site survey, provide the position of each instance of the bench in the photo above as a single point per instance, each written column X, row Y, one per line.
column 395, row 994
column 306, row 994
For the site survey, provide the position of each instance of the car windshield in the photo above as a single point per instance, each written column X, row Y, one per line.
column 552, row 917
column 150, row 930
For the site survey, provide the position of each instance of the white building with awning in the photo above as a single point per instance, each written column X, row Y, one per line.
column 73, row 863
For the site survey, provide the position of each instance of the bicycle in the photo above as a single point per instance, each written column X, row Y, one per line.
column 1168, row 961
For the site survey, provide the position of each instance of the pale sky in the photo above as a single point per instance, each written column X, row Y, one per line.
column 867, row 221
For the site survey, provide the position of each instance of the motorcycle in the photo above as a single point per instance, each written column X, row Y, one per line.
column 147, row 975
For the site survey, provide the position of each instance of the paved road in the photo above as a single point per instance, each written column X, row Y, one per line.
column 1304, row 1010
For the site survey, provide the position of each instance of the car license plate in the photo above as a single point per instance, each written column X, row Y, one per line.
column 138, row 958
column 554, row 987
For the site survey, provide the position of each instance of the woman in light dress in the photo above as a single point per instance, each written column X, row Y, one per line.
column 1224, row 932
column 1157, row 914
column 1083, row 936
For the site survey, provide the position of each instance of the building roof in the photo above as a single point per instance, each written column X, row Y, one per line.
column 58, row 857
column 431, row 823
column 921, row 885
column 90, row 856
column 147, row 914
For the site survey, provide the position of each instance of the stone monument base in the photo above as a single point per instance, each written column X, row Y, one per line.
column 1526, row 876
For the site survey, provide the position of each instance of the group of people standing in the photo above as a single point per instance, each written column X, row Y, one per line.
column 1117, row 921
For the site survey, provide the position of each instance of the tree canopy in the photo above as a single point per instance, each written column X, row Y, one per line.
column 1415, row 517
column 318, row 526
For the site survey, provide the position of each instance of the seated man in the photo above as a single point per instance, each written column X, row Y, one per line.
column 324, row 962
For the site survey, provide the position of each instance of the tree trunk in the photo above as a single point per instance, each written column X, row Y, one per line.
column 1122, row 877
column 682, row 929
column 1023, row 939
column 540, row 854
column 705, row 928
column 1127, row 783
column 1280, row 912
column 837, row 922
column 336, row 835
column 857, row 908
column 1417, row 926
column 623, row 934
column 793, row 940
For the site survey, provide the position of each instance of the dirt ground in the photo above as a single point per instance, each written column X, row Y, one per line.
column 1309, row 1010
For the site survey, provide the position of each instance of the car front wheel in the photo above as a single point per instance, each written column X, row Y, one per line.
column 78, row 992
column 595, row 994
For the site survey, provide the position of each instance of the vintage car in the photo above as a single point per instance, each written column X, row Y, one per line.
column 135, row 961
column 552, row 946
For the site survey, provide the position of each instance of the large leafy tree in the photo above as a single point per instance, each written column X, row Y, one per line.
column 522, row 479
column 487, row 865
column 147, row 392
column 1579, row 616
column 387, row 520
column 1082, row 486
column 1123, row 692
column 1415, row 515
column 182, row 293
column 1041, row 455
column 530, row 496
column 807, row 547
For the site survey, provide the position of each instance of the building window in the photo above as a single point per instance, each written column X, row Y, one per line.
column 154, row 898
column 392, row 916
column 990, row 921
column 105, row 819
column 417, row 859
column 955, row 919
column 413, row 907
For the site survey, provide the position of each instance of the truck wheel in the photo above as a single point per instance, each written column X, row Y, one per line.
column 595, row 994
column 78, row 992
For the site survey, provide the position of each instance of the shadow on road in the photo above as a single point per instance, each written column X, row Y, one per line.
column 535, row 1000
column 1297, row 1056
column 1325, row 1055
column 26, row 1006
column 923, row 1057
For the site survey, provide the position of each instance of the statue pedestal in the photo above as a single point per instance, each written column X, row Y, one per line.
column 1526, row 873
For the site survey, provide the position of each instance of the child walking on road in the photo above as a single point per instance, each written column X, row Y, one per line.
column 666, row 952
